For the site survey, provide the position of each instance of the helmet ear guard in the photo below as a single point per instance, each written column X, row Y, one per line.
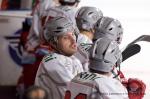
column 76, row 32
column 114, row 50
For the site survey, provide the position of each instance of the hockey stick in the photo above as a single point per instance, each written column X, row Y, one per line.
column 133, row 48
column 141, row 38
column 130, row 51
column 127, row 53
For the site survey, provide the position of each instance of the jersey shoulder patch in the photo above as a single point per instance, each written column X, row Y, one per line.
column 49, row 57
column 87, row 76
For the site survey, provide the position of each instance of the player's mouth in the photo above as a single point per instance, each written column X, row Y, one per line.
column 74, row 45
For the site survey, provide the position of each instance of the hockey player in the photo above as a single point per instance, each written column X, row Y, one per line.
column 98, row 83
column 110, row 28
column 35, row 47
column 86, row 17
column 60, row 66
column 33, row 52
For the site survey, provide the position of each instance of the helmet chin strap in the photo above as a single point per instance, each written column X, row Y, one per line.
column 56, row 47
column 57, row 50
column 116, row 75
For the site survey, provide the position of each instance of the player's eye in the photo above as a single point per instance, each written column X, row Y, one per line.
column 65, row 37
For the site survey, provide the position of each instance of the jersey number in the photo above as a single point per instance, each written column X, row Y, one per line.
column 79, row 96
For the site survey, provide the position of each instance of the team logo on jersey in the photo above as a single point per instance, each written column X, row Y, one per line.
column 14, row 47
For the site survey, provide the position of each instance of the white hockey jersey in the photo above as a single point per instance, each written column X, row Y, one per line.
column 84, row 43
column 95, row 86
column 55, row 71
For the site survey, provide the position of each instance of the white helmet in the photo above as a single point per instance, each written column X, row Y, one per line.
column 56, row 27
column 108, row 27
column 70, row 12
column 86, row 17
column 104, row 54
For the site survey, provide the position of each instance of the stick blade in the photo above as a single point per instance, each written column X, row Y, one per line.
column 130, row 51
column 146, row 38
column 141, row 38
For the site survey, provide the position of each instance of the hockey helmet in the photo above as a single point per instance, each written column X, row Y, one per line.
column 104, row 54
column 86, row 17
column 56, row 27
column 108, row 27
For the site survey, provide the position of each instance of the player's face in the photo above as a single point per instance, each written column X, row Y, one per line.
column 67, row 44
column 115, row 30
column 120, row 31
